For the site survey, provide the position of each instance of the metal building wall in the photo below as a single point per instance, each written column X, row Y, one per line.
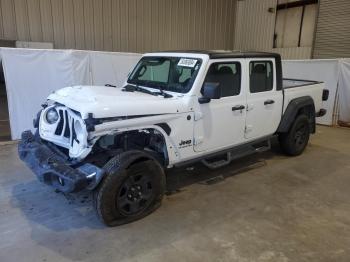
column 255, row 27
column 333, row 29
column 291, row 53
column 121, row 25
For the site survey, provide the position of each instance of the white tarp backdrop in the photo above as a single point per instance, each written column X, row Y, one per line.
column 336, row 75
column 111, row 68
column 32, row 74
column 326, row 71
column 344, row 91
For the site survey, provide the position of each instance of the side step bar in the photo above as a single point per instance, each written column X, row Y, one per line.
column 249, row 149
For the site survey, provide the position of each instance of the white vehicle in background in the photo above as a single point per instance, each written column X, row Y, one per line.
column 175, row 108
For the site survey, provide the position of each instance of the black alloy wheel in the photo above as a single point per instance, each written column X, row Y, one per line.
column 135, row 194
column 301, row 134
column 296, row 139
column 132, row 188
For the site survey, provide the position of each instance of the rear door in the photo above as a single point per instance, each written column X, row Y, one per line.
column 220, row 123
column 264, row 102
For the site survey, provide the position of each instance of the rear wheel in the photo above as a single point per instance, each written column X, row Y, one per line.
column 296, row 139
column 128, row 194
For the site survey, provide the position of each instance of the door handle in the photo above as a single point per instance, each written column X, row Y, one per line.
column 269, row 102
column 238, row 107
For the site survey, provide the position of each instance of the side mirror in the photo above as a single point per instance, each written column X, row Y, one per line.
column 210, row 91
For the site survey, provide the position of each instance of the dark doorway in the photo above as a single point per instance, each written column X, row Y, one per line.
column 5, row 132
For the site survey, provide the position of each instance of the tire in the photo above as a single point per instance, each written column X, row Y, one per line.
column 129, row 192
column 296, row 139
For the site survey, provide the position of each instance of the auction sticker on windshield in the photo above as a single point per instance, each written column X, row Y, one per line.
column 187, row 62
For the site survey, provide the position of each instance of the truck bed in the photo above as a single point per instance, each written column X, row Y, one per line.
column 290, row 83
column 294, row 88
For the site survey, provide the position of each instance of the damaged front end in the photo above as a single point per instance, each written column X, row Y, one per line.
column 66, row 128
column 53, row 168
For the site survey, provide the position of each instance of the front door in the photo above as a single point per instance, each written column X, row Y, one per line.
column 220, row 123
column 264, row 102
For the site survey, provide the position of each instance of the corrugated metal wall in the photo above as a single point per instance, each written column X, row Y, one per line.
column 121, row 25
column 255, row 25
column 333, row 29
column 255, row 28
column 291, row 53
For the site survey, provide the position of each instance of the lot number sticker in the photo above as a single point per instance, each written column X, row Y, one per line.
column 187, row 62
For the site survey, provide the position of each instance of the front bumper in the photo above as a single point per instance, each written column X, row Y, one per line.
column 53, row 169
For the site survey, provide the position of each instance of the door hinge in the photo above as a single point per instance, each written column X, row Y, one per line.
column 198, row 116
column 198, row 140
column 248, row 128
column 250, row 107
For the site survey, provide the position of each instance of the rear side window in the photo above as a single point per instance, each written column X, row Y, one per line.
column 261, row 76
column 228, row 75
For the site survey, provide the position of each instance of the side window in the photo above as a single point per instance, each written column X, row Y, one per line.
column 228, row 75
column 156, row 72
column 261, row 76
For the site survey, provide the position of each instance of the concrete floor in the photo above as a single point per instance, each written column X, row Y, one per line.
column 267, row 208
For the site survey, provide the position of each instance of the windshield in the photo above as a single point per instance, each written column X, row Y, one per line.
column 175, row 74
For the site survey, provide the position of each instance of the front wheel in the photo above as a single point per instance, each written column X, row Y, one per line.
column 294, row 142
column 128, row 194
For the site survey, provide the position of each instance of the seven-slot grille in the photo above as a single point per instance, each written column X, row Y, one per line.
column 65, row 127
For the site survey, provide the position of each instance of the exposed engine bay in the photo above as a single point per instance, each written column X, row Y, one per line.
column 108, row 146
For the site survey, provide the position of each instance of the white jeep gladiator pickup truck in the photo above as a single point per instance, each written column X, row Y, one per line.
column 175, row 108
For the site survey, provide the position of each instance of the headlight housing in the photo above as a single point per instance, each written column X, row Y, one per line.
column 52, row 116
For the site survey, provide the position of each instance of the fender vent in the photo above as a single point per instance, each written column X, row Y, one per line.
column 165, row 127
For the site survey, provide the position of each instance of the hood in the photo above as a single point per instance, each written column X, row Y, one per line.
column 103, row 101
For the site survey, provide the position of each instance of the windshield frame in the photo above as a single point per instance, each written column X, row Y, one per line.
column 160, row 85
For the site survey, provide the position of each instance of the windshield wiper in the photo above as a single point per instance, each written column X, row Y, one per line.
column 136, row 87
column 133, row 88
column 161, row 91
column 159, row 87
column 109, row 85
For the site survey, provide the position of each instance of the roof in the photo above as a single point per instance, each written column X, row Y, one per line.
column 217, row 54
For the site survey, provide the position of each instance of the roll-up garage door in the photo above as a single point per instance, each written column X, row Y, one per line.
column 333, row 29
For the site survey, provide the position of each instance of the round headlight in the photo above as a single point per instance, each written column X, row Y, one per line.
column 52, row 116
